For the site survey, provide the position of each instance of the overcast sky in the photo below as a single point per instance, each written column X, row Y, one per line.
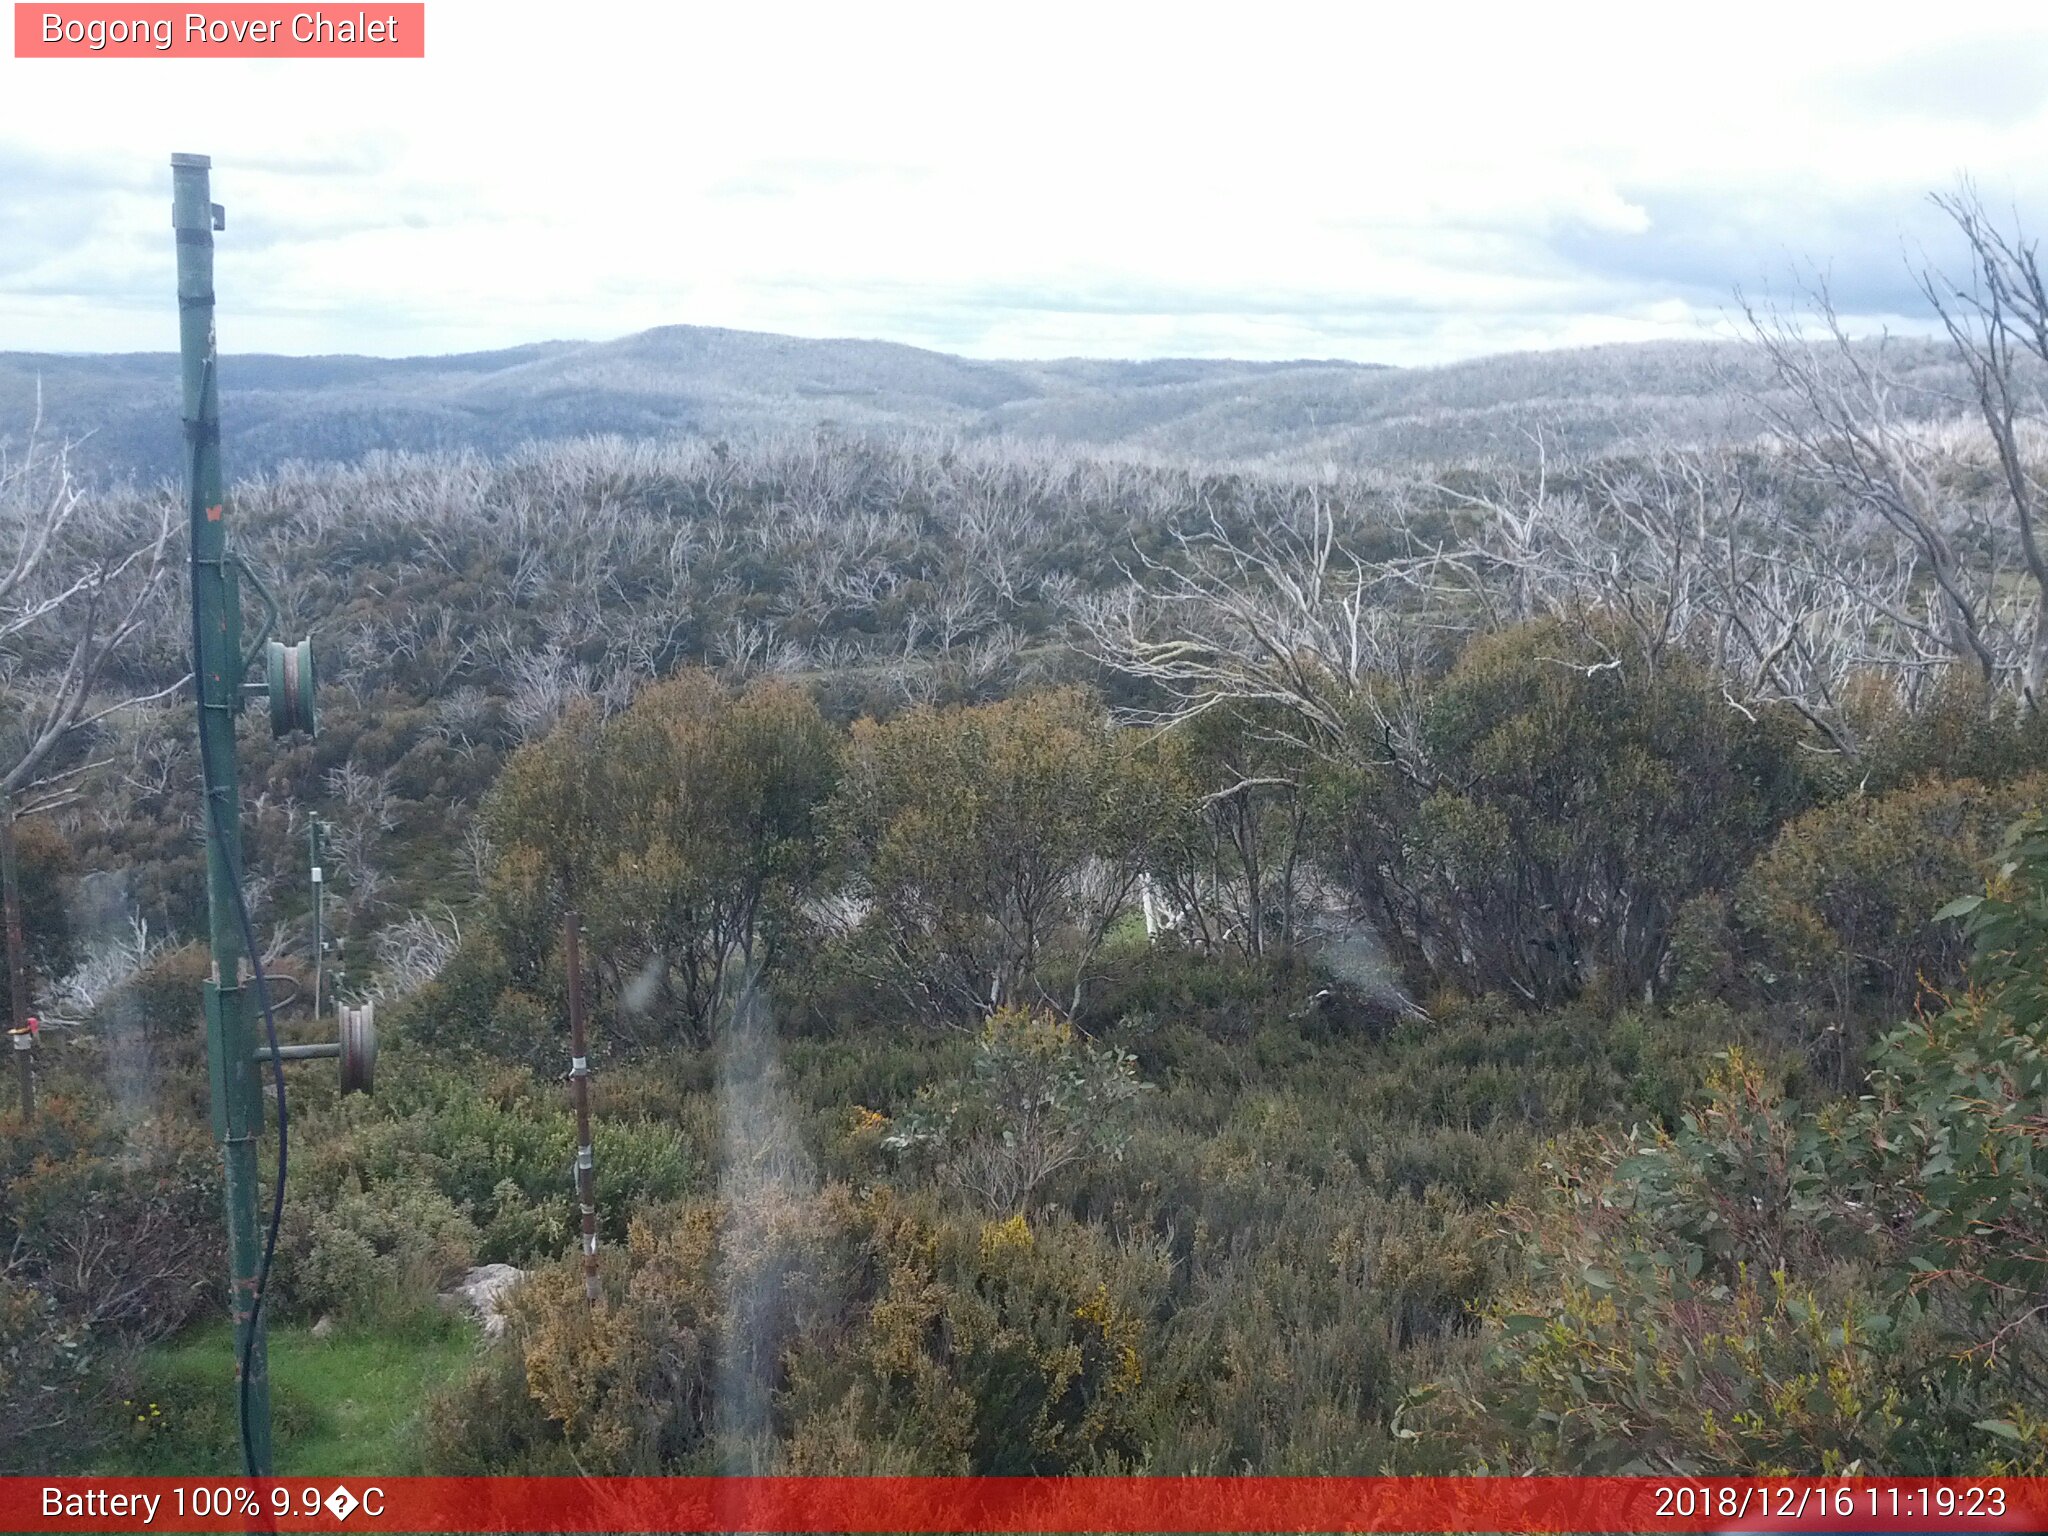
column 1402, row 184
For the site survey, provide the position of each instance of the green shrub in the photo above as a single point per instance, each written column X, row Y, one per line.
column 645, row 1162
column 825, row 1332
column 1222, row 996
column 519, row 1229
column 499, row 1146
column 1681, row 1309
column 995, row 846
column 1005, row 1348
column 165, row 998
column 45, row 1386
column 1959, row 731
column 1036, row 1100
column 43, row 860
column 1226, row 864
column 1834, row 924
column 633, row 1385
column 1772, row 1288
column 1951, row 1140
column 378, row 1256
column 1571, row 794
column 117, row 1223
column 472, row 1006
column 111, row 1232
column 685, row 833
column 484, row 1424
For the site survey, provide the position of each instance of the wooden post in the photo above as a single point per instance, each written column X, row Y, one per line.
column 579, row 1087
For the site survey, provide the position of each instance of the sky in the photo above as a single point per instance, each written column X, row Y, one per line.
column 1403, row 184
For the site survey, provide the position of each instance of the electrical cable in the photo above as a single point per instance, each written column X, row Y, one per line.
column 241, row 906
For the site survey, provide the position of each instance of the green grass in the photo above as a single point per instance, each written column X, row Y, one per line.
column 342, row 1406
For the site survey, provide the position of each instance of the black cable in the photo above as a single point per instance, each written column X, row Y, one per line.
column 241, row 905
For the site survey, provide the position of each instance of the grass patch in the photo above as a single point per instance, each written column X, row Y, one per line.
column 343, row 1406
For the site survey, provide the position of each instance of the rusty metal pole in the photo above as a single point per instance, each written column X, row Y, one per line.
column 313, row 832
column 579, row 1086
column 17, row 965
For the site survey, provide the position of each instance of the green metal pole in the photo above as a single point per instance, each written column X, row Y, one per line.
column 217, row 610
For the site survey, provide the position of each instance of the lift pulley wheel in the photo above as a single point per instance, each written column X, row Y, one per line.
column 290, row 669
column 358, row 1048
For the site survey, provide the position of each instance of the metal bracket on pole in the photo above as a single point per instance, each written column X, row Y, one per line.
column 356, row 1050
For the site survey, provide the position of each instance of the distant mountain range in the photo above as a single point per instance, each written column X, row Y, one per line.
column 697, row 380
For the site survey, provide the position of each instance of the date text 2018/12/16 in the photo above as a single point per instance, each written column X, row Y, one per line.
column 1796, row 1501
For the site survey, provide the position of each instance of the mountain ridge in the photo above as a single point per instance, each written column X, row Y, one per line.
column 122, row 408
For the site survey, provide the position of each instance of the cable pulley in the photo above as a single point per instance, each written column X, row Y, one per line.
column 289, row 676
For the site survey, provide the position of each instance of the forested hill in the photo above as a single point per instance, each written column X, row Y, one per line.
column 1508, row 1010
column 741, row 384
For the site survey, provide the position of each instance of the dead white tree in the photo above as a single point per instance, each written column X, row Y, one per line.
column 79, row 579
column 108, row 961
column 544, row 684
column 1845, row 421
column 412, row 952
column 364, row 810
column 1997, row 321
column 479, row 854
column 1284, row 618
column 1681, row 548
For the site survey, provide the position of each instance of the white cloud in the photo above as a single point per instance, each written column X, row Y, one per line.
column 1343, row 180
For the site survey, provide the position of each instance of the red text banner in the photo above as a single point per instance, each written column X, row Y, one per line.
column 1023, row 1504
column 236, row 31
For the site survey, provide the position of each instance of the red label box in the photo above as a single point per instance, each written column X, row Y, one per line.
column 1012, row 1506
column 236, row 31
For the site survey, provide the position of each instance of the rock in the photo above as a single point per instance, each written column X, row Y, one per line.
column 483, row 1290
column 324, row 1328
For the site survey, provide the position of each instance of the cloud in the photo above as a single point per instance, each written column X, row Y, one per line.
column 1389, row 185
column 1701, row 246
column 798, row 177
column 55, row 205
column 1965, row 79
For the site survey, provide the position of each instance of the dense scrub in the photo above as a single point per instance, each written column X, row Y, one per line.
column 1779, row 1286
column 1010, row 1058
column 1246, row 1263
